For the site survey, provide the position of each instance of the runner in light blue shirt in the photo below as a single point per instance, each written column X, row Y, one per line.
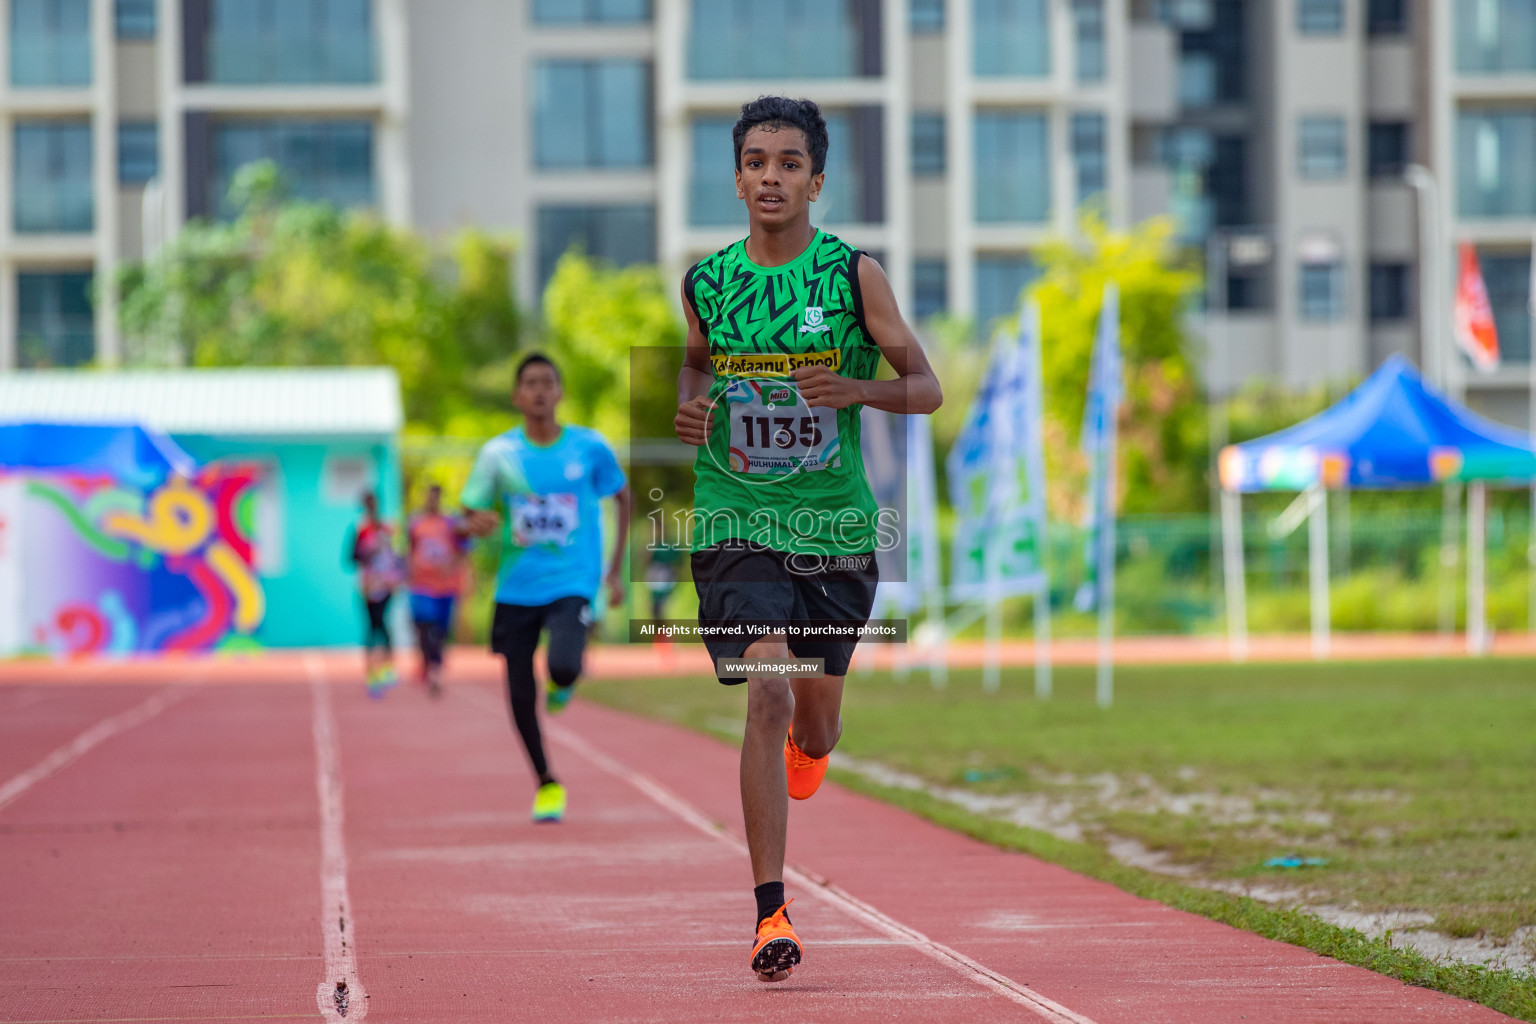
column 549, row 481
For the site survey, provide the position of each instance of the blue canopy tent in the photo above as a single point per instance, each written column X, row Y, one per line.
column 1393, row 431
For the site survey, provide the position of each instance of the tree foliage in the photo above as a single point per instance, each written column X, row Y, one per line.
column 599, row 321
column 295, row 283
column 1163, row 425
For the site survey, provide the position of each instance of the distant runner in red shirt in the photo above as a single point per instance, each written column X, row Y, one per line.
column 438, row 543
column 371, row 551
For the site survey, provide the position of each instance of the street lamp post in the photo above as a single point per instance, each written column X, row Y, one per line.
column 1439, row 362
column 1435, row 349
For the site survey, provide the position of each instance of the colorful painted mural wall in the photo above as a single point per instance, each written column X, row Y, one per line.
column 93, row 565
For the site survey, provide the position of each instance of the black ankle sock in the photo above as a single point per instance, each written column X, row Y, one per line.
column 770, row 897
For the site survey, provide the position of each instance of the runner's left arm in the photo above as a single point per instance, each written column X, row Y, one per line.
column 916, row 387
column 609, row 481
column 478, row 498
column 693, row 422
column 623, row 504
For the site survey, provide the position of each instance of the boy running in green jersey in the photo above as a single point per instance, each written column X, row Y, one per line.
column 785, row 332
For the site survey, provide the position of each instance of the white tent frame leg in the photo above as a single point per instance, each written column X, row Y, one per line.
column 1311, row 507
column 1235, row 574
column 1477, row 577
column 1317, row 552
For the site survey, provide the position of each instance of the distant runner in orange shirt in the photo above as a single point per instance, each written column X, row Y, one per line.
column 435, row 577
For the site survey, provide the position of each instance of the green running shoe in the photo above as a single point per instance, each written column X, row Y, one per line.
column 549, row 802
column 558, row 697
column 380, row 680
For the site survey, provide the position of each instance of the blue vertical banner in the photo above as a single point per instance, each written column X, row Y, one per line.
column 994, row 469
column 923, row 578
column 1105, row 392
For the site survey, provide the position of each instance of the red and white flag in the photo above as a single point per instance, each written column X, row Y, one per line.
column 1476, row 332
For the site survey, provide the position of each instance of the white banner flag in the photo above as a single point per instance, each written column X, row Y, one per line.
column 923, row 576
column 1105, row 385
column 991, row 469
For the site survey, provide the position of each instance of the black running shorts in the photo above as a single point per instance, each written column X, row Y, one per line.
column 743, row 582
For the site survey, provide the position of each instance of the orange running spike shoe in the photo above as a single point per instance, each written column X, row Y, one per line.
column 778, row 947
column 805, row 772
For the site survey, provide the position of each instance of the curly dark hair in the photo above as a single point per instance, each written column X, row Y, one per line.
column 775, row 112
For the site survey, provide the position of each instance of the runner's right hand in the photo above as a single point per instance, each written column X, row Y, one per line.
column 480, row 522
column 693, row 421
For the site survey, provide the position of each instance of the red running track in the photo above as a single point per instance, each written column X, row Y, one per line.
column 196, row 861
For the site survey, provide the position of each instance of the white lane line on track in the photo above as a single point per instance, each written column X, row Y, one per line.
column 340, row 994
column 975, row 972
column 98, row 733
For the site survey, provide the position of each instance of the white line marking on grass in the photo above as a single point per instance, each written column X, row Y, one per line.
column 98, row 733
column 340, row 994
column 953, row 959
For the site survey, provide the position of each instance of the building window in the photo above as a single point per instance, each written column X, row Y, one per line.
column 1509, row 293
column 53, row 176
column 1496, row 162
column 325, row 161
column 1386, row 17
column 1389, row 291
column 1226, row 181
column 999, row 280
column 1321, row 153
column 1322, row 291
column 926, row 16
column 55, row 325
column 1011, row 38
column 135, row 19
column 1213, row 64
column 282, row 42
column 138, row 152
column 1088, row 155
column 928, row 154
column 1494, row 36
column 1088, row 25
column 930, row 288
column 50, row 42
column 1013, row 167
column 711, row 188
column 810, row 39
column 592, row 113
column 1197, row 79
column 1320, row 17
column 712, row 198
column 1387, row 148
column 1246, row 291
column 619, row 234
column 1189, row 15
column 588, row 12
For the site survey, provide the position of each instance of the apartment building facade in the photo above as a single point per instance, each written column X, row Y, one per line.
column 965, row 132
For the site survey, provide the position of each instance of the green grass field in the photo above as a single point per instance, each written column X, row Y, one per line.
column 1415, row 781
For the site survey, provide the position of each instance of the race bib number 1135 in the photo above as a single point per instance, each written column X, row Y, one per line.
column 773, row 431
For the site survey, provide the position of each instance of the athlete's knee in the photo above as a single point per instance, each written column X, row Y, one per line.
column 817, row 738
column 564, row 667
column 770, row 705
column 774, row 645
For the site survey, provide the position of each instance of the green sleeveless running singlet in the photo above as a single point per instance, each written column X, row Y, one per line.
column 775, row 471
